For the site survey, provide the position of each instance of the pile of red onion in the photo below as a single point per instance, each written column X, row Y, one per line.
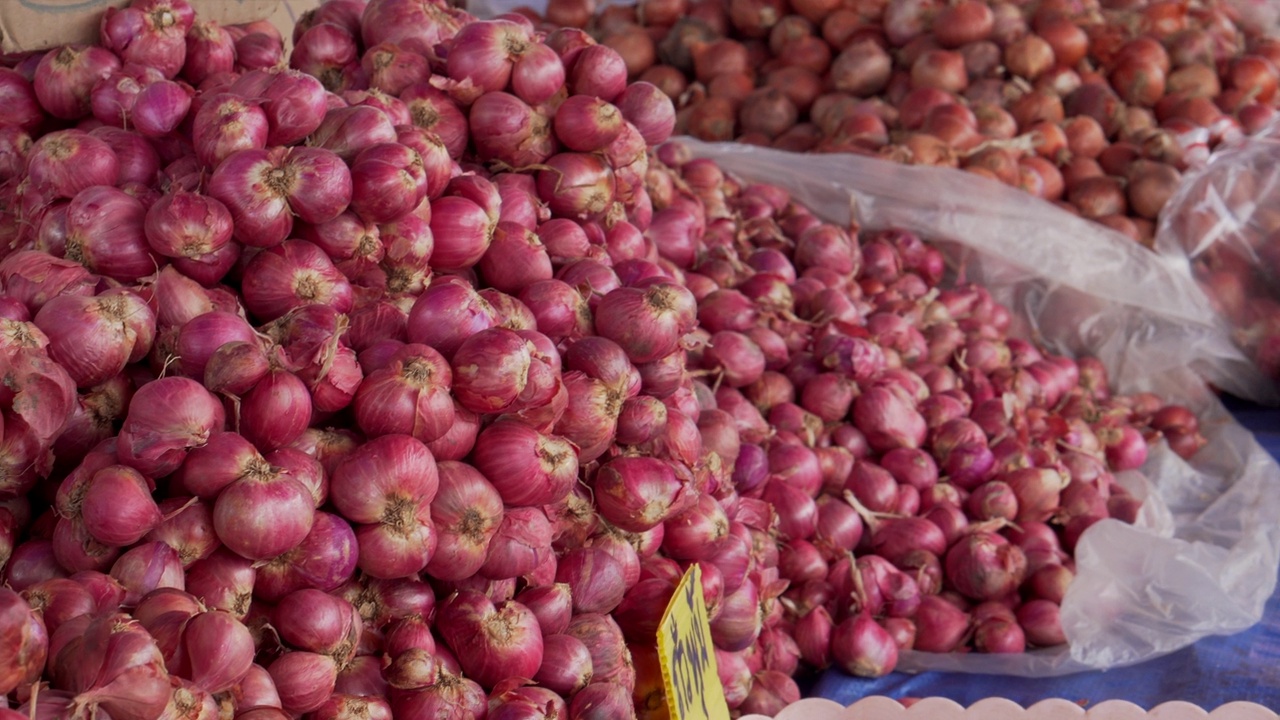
column 410, row 382
column 1096, row 105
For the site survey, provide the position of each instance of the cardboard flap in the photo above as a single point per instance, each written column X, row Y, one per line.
column 39, row 24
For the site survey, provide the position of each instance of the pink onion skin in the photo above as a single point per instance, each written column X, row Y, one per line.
column 521, row 544
column 636, row 493
column 243, row 182
column 26, row 640
column 304, row 680
column 566, row 665
column 94, row 338
column 493, row 642
column 601, row 700
column 166, row 419
column 219, row 650
column 385, row 468
column 528, row 468
column 862, row 647
column 941, row 626
column 410, row 396
column 276, row 411
column 105, row 233
column 985, row 566
column 261, row 516
column 888, row 421
column 595, row 578
column 467, row 512
column 647, row 323
column 552, row 604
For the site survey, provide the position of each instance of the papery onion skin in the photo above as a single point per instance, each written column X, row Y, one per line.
column 166, row 419
column 25, row 639
column 493, row 642
column 526, row 467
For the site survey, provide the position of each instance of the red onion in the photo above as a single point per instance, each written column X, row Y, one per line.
column 391, row 68
column 222, row 581
column 985, row 566
column 1037, row 490
column 888, row 421
column 601, row 700
column 222, row 348
column 150, row 33
column 467, row 511
column 941, row 626
column 166, row 419
column 343, row 706
column 104, row 233
column 1041, row 623
column 598, row 70
column 262, row 514
column 463, row 232
column 115, row 666
column 492, row 642
column 862, row 647
column 64, row 77
column 218, row 650
column 276, row 411
column 450, row 696
column 226, row 123
column 521, row 545
column 388, row 182
column 314, row 621
column 187, row 225
column 294, row 102
column 117, row 508
column 433, row 110
column 636, row 493
column 647, row 323
column 506, row 129
column 34, row 277
column 304, row 680
column 448, row 313
column 576, row 185
column 347, row 131
column 25, row 635
column 993, row 500
column 146, row 567
column 491, row 370
column 410, row 396
column 999, row 636
column 483, row 53
column 566, row 665
column 515, row 259
column 19, row 98
column 94, row 338
column 388, row 484
column 210, row 52
column 291, row 275
column 160, row 107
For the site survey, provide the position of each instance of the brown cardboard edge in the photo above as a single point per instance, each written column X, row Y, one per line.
column 27, row 25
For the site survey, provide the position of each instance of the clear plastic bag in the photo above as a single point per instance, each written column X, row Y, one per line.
column 1257, row 17
column 1222, row 227
column 1202, row 558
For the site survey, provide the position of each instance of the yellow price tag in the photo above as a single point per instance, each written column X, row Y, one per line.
column 687, row 655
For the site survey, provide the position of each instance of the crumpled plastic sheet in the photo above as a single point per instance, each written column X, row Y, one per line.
column 1203, row 557
column 1221, row 213
column 1261, row 17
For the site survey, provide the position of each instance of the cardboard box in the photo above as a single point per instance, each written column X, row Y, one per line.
column 39, row 24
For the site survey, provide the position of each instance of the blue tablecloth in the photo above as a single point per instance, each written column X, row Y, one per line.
column 1212, row 672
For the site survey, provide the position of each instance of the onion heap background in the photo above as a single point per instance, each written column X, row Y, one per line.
column 405, row 377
